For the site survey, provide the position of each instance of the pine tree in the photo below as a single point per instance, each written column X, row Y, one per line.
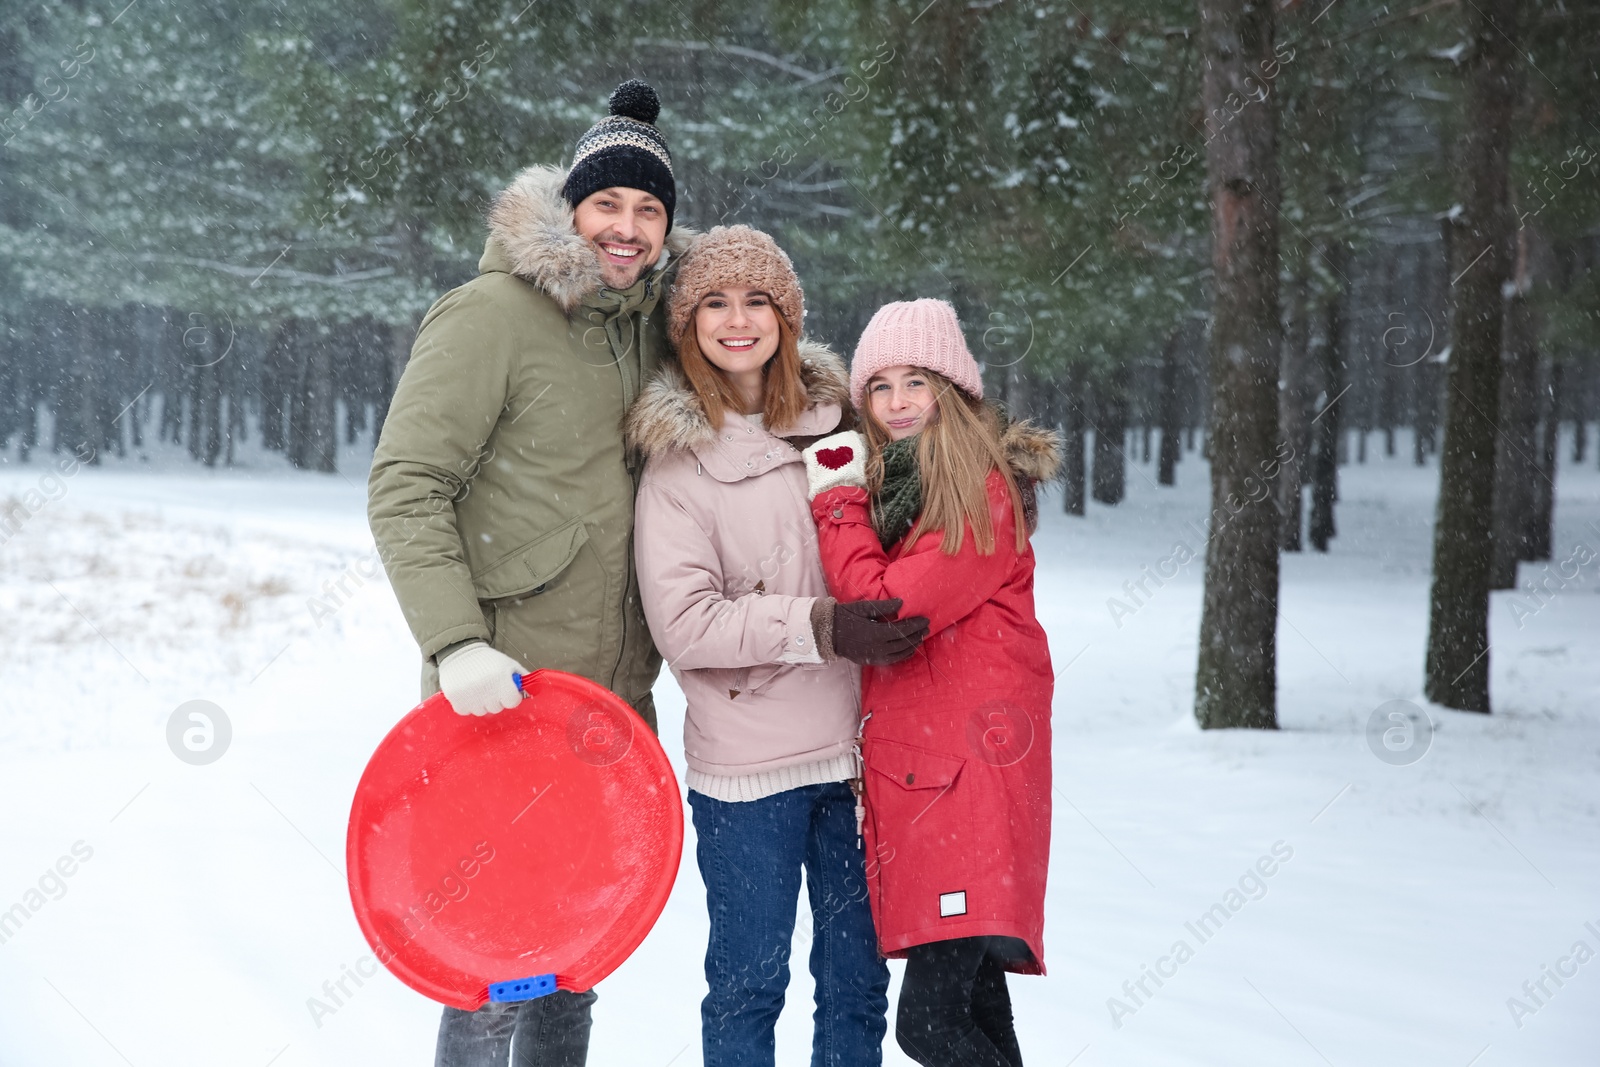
column 1458, row 627
column 1236, row 681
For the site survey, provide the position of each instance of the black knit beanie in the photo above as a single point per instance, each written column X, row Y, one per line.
column 624, row 149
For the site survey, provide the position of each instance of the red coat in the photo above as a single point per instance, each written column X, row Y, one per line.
column 956, row 740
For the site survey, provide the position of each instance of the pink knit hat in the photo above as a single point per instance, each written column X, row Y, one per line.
column 914, row 333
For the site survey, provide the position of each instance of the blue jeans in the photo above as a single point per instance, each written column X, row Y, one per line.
column 550, row 1031
column 751, row 854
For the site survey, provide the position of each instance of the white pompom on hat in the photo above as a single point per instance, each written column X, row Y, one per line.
column 915, row 333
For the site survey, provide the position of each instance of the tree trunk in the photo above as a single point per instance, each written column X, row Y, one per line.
column 1073, row 464
column 1294, row 418
column 1425, row 424
column 1169, row 411
column 1326, row 423
column 1580, row 416
column 233, row 389
column 1457, row 669
column 400, row 340
column 1514, row 467
column 1385, row 380
column 193, row 379
column 73, row 404
column 1236, row 679
column 1110, row 474
column 1540, row 534
column 1428, row 399
column 313, row 426
column 211, row 402
column 1019, row 391
column 30, row 377
column 280, row 370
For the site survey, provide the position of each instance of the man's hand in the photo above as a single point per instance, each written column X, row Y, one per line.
column 476, row 680
column 866, row 631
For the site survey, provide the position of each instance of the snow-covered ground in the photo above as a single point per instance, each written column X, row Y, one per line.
column 1407, row 904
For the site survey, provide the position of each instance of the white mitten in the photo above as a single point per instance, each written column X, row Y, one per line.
column 476, row 680
column 834, row 461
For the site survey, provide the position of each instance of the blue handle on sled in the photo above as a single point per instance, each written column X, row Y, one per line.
column 538, row 985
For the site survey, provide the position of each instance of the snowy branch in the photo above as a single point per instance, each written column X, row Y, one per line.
column 281, row 273
column 807, row 77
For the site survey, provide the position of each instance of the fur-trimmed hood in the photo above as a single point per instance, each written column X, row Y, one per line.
column 668, row 417
column 1033, row 452
column 532, row 225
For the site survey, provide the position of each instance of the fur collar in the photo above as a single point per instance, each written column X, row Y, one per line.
column 532, row 223
column 668, row 416
column 1033, row 452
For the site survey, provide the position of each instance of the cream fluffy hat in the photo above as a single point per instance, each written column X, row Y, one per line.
column 734, row 255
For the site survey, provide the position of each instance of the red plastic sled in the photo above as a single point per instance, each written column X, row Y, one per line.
column 501, row 857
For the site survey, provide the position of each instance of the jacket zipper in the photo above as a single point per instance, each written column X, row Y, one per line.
column 858, row 784
column 627, row 570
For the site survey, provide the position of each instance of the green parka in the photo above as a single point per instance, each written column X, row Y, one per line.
column 501, row 494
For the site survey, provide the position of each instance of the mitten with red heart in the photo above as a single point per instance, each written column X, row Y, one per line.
column 834, row 461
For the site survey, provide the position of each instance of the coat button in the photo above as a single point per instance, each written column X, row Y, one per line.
column 911, row 779
column 838, row 513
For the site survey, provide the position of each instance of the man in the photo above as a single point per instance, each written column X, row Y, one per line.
column 501, row 496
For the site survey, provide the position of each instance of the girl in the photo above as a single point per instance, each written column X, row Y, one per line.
column 734, row 595
column 934, row 508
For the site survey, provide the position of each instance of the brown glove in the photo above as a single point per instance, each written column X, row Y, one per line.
column 866, row 631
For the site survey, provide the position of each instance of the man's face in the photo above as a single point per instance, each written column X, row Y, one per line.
column 627, row 227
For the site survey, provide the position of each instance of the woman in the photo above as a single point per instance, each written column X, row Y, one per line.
column 735, row 598
column 934, row 508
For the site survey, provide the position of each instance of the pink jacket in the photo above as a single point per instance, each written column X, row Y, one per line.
column 728, row 573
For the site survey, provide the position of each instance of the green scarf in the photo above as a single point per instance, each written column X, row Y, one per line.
column 899, row 500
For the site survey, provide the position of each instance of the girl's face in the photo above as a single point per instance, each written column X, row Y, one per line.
column 902, row 400
column 737, row 329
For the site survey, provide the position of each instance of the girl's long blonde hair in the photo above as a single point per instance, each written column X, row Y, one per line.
column 955, row 453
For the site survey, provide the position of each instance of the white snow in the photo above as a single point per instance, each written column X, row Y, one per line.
column 1415, row 900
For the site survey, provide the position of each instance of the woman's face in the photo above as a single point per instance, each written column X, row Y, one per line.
column 737, row 329
column 902, row 400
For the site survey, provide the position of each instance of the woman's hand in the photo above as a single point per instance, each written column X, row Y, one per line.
column 835, row 461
